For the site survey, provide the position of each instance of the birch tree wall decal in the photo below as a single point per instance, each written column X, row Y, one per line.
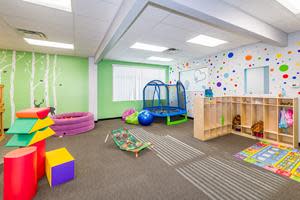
column 3, row 60
column 12, row 83
column 54, row 82
column 46, row 80
column 31, row 70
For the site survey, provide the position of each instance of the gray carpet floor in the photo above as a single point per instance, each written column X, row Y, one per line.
column 178, row 166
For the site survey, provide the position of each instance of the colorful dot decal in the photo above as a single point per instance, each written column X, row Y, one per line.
column 285, row 76
column 279, row 55
column 267, row 59
column 283, row 68
column 230, row 55
column 219, row 84
column 226, row 75
column 248, row 57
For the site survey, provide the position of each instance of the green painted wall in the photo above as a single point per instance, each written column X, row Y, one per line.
column 106, row 107
column 67, row 82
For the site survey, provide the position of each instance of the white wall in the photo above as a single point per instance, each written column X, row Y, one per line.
column 226, row 69
column 93, row 95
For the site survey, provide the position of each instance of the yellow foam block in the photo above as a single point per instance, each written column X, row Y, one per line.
column 41, row 135
column 58, row 157
column 42, row 123
column 54, row 158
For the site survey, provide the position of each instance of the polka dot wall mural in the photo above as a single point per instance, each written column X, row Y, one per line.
column 230, row 54
column 226, row 69
column 248, row 57
column 283, row 68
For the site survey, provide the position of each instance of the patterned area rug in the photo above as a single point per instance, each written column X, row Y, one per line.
column 276, row 158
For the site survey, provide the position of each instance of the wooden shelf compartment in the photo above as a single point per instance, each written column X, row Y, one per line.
column 246, row 115
column 270, row 119
column 271, row 136
column 246, row 100
column 270, row 101
column 285, row 102
column 284, row 139
column 235, row 99
column 246, row 130
column 207, row 124
column 208, row 115
column 257, row 100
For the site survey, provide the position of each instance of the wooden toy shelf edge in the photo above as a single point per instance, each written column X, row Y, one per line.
column 213, row 118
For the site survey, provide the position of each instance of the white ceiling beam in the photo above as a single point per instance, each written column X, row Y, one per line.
column 125, row 17
column 214, row 12
column 223, row 15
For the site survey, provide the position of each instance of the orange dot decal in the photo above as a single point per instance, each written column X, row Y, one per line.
column 272, row 69
column 248, row 57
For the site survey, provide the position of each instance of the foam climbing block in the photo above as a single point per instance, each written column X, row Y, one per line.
column 20, row 176
column 29, row 125
column 60, row 166
column 23, row 140
column 40, row 113
column 41, row 151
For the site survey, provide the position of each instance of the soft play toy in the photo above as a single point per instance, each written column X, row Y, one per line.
column 20, row 174
column 258, row 129
column 73, row 123
column 133, row 118
column 60, row 166
column 127, row 142
column 236, row 122
column 126, row 113
column 145, row 118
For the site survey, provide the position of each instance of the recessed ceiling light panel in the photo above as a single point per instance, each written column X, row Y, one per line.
column 64, row 5
column 292, row 5
column 206, row 41
column 148, row 47
column 155, row 58
column 46, row 43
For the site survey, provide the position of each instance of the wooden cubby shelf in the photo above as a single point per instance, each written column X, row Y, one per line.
column 213, row 118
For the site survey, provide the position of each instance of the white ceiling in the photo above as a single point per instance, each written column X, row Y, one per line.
column 160, row 27
column 85, row 27
column 271, row 12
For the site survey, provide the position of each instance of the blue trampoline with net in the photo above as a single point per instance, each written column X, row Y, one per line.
column 165, row 100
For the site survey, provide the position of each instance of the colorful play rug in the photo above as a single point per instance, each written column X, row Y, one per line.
column 276, row 158
column 127, row 142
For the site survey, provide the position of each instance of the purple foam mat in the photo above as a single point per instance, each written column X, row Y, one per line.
column 75, row 131
column 63, row 173
column 72, row 126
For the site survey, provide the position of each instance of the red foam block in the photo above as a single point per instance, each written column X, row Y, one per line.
column 40, row 113
column 20, row 175
column 40, row 149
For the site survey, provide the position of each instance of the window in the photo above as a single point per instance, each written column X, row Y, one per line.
column 129, row 81
column 257, row 80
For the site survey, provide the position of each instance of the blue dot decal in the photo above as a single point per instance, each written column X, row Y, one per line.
column 230, row 55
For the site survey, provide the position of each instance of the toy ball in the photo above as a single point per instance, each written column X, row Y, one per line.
column 145, row 118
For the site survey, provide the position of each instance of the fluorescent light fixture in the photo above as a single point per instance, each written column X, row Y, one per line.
column 206, row 41
column 148, row 47
column 159, row 59
column 292, row 5
column 46, row 43
column 64, row 5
